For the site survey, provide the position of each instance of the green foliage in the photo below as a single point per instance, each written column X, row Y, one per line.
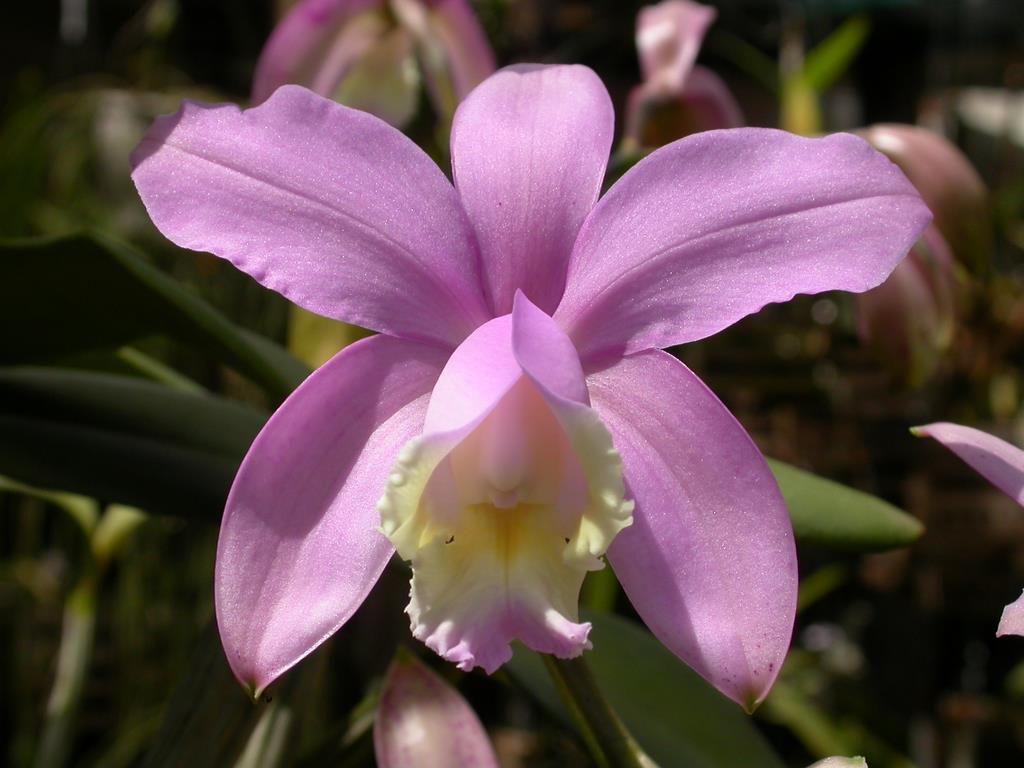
column 122, row 440
column 87, row 292
column 827, row 513
column 676, row 717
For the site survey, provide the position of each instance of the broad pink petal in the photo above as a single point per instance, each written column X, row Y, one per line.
column 668, row 37
column 709, row 562
column 313, row 45
column 713, row 227
column 1012, row 620
column 423, row 722
column 529, row 150
column 299, row 544
column 329, row 206
column 999, row 462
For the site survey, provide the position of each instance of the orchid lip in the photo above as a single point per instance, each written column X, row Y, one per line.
column 502, row 516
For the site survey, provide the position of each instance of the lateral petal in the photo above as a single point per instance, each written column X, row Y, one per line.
column 299, row 547
column 709, row 562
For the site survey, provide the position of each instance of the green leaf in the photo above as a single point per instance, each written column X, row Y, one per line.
column 825, row 512
column 831, row 58
column 676, row 717
column 124, row 440
column 86, row 292
column 209, row 718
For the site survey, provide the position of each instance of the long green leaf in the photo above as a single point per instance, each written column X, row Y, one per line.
column 209, row 718
column 675, row 716
column 86, row 292
column 825, row 512
column 122, row 440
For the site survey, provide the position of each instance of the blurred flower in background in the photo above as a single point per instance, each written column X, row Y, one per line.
column 1002, row 464
column 677, row 97
column 910, row 320
column 423, row 722
column 375, row 55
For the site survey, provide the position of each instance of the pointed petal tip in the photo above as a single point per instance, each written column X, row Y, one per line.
column 1012, row 620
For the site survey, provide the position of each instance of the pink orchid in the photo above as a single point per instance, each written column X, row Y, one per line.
column 370, row 54
column 1002, row 464
column 520, row 321
column 677, row 97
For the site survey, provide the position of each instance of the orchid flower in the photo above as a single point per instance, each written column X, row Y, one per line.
column 371, row 54
column 422, row 722
column 514, row 415
column 676, row 97
column 841, row 762
column 1002, row 464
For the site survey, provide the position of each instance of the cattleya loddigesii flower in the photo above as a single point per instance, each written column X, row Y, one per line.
column 677, row 97
column 514, row 413
column 372, row 54
column 1002, row 464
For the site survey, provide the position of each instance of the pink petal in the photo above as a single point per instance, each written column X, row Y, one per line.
column 314, row 45
column 709, row 562
column 299, row 544
column 1002, row 464
column 668, row 37
column 330, row 207
column 1012, row 620
column 423, row 722
column 712, row 228
column 999, row 462
column 529, row 150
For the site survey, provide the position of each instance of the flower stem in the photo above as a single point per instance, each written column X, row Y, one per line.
column 607, row 739
column 73, row 659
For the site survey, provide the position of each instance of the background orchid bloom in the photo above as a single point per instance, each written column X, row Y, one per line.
column 676, row 97
column 422, row 722
column 371, row 54
column 910, row 319
column 841, row 762
column 520, row 321
column 1002, row 464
